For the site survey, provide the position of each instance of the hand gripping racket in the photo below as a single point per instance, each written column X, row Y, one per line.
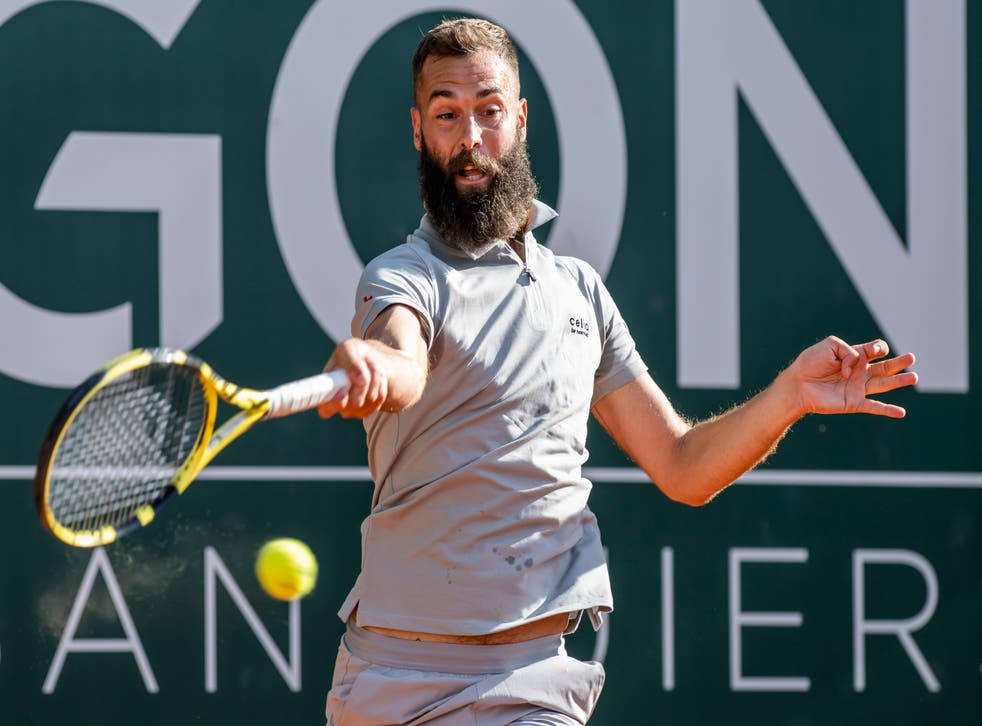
column 139, row 431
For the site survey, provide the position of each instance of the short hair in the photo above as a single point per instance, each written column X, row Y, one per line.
column 464, row 36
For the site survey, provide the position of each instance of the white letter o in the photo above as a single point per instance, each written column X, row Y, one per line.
column 303, row 118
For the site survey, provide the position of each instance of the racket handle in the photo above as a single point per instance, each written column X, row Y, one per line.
column 305, row 394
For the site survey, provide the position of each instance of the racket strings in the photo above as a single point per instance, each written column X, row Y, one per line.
column 124, row 446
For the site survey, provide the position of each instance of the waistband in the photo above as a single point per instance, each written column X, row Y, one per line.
column 449, row 657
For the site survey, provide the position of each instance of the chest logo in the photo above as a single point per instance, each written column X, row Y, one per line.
column 579, row 326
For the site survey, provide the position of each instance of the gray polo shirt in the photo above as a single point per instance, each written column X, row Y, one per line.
column 479, row 518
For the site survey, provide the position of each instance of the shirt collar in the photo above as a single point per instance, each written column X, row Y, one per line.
column 541, row 213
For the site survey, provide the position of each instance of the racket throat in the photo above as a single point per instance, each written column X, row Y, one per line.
column 223, row 436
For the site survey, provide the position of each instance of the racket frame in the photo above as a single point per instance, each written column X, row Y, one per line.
column 209, row 443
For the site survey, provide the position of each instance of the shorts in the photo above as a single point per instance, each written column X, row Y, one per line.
column 379, row 680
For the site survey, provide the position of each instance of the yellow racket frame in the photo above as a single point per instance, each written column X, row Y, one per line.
column 254, row 404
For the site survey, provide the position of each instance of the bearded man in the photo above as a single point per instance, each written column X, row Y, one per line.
column 477, row 359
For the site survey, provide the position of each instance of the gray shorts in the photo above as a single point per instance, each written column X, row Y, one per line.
column 383, row 680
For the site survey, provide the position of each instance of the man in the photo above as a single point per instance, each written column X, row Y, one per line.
column 476, row 360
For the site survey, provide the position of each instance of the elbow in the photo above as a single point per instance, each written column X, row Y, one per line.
column 685, row 485
column 686, row 494
column 692, row 499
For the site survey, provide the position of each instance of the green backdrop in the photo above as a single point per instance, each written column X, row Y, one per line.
column 839, row 489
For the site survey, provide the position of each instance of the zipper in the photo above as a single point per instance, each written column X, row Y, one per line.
column 536, row 310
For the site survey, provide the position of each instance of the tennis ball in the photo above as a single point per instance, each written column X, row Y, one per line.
column 286, row 568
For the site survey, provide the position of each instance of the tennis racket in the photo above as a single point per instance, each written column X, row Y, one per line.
column 139, row 431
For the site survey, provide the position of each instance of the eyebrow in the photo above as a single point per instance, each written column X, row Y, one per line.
column 484, row 92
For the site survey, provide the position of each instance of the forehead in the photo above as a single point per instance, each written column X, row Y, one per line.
column 466, row 75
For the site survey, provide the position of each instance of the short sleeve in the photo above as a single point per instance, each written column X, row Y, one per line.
column 399, row 276
column 620, row 362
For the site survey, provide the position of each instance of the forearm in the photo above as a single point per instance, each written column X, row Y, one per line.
column 387, row 368
column 405, row 376
column 714, row 453
column 692, row 463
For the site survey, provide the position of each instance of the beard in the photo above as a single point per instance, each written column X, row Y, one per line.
column 470, row 219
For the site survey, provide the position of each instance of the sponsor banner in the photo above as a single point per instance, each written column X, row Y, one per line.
column 749, row 176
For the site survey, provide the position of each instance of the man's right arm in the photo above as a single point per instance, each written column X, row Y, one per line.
column 387, row 368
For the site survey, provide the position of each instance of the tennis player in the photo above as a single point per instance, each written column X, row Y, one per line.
column 476, row 360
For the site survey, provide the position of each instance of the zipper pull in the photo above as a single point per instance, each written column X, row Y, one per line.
column 528, row 271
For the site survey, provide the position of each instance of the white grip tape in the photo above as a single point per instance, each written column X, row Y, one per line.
column 305, row 394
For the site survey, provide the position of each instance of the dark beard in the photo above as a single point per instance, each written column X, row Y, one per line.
column 498, row 210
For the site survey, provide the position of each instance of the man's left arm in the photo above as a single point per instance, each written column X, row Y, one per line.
column 692, row 463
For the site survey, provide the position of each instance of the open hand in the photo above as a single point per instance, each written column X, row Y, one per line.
column 835, row 377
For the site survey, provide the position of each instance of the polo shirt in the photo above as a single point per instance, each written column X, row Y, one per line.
column 479, row 519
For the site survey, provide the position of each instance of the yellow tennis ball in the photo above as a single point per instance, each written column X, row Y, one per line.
column 286, row 568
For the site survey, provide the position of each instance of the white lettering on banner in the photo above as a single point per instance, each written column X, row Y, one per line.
column 99, row 562
column 740, row 619
column 163, row 21
column 289, row 669
column 303, row 121
column 178, row 176
column 180, row 180
column 668, row 618
column 861, row 626
column 919, row 295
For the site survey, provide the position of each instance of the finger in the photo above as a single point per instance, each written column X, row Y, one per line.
column 367, row 410
column 875, row 349
column 332, row 405
column 358, row 373
column 845, row 353
column 374, row 392
column 882, row 384
column 343, row 406
column 878, row 408
column 384, row 392
column 892, row 365
column 377, row 396
column 358, row 394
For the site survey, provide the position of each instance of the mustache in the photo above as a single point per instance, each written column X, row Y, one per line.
column 471, row 158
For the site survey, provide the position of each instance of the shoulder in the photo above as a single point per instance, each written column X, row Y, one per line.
column 410, row 255
column 581, row 271
column 410, row 263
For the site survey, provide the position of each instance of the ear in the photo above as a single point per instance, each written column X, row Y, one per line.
column 523, row 116
column 417, row 128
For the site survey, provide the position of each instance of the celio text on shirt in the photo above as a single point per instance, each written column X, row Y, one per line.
column 579, row 326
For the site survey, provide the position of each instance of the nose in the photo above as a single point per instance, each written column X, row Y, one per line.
column 471, row 138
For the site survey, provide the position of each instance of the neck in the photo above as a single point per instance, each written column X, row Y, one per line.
column 519, row 246
column 517, row 240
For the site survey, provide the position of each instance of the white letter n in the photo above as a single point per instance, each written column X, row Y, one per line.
column 290, row 670
column 918, row 295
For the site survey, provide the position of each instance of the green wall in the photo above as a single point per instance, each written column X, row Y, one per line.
column 837, row 488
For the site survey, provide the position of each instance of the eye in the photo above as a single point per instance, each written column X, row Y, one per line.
column 492, row 111
column 445, row 116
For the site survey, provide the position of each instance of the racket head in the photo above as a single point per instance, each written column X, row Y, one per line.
column 123, row 444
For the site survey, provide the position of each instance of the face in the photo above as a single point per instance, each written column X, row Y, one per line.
column 469, row 127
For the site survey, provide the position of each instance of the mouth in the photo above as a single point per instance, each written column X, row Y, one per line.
column 470, row 175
